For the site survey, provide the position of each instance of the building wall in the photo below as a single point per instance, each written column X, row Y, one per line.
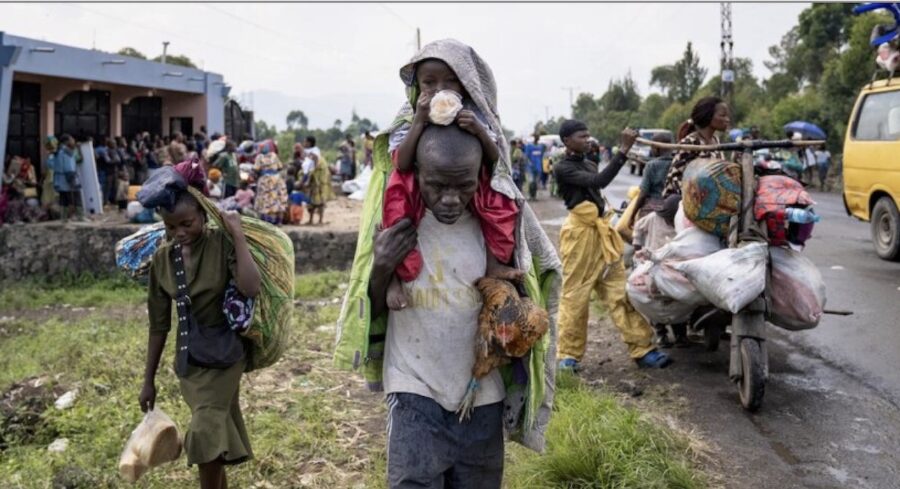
column 187, row 92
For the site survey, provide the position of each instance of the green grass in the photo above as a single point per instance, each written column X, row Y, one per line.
column 595, row 442
column 319, row 285
column 306, row 421
column 83, row 291
column 310, row 426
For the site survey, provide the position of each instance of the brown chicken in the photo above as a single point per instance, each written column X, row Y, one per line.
column 508, row 327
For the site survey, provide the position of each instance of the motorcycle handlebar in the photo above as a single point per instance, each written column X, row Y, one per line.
column 750, row 145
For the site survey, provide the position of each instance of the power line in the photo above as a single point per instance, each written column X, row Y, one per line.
column 169, row 33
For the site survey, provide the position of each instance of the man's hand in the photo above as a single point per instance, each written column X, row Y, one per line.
column 469, row 123
column 626, row 139
column 393, row 244
column 423, row 108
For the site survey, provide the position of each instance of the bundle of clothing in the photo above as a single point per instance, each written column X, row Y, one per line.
column 271, row 248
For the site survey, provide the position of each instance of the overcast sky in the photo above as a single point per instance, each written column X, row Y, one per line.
column 329, row 59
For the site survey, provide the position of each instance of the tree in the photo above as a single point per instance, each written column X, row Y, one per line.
column 298, row 118
column 264, row 131
column 359, row 126
column 846, row 73
column 680, row 81
column 821, row 31
column 621, row 95
column 177, row 60
column 651, row 109
column 585, row 104
column 129, row 51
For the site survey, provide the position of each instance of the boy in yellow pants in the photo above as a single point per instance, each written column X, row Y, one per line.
column 592, row 254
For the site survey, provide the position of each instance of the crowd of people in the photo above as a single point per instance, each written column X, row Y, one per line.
column 249, row 177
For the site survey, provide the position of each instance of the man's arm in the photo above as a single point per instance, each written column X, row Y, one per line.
column 569, row 174
column 391, row 247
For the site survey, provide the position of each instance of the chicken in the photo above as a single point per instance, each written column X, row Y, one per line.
column 508, row 327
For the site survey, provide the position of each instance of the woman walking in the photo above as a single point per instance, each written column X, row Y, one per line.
column 199, row 268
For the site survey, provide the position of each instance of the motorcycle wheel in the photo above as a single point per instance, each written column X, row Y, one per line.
column 752, row 386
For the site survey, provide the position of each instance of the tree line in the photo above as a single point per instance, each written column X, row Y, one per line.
column 816, row 71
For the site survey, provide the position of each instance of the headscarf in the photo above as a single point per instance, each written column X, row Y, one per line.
column 533, row 247
column 477, row 78
column 193, row 174
column 51, row 144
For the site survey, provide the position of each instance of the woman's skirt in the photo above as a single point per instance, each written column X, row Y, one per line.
column 216, row 431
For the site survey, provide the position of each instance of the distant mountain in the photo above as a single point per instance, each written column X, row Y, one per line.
column 273, row 107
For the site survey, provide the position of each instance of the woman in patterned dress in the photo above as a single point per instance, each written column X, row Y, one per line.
column 271, row 191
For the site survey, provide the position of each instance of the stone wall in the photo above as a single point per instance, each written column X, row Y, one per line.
column 51, row 250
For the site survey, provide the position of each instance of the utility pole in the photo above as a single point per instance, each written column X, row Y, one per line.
column 418, row 39
column 165, row 49
column 727, row 46
column 546, row 112
column 571, row 98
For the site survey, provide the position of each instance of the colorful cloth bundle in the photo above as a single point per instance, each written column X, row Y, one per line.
column 711, row 194
column 134, row 252
column 774, row 195
column 273, row 252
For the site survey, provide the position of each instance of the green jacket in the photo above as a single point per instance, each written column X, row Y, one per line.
column 361, row 338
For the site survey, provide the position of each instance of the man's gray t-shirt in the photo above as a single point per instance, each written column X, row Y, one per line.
column 430, row 347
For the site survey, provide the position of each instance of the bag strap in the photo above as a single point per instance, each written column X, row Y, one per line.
column 183, row 309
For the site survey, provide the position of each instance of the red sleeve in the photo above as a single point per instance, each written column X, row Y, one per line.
column 402, row 199
column 498, row 214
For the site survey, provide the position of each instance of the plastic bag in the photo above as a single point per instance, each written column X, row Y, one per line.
column 681, row 221
column 154, row 442
column 711, row 194
column 689, row 244
column 731, row 278
column 674, row 285
column 796, row 291
column 647, row 300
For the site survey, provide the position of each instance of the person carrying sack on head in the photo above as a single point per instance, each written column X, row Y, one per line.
column 592, row 254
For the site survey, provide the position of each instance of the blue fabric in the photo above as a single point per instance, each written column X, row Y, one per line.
column 654, row 359
column 535, row 154
column 299, row 198
column 134, row 253
column 63, row 165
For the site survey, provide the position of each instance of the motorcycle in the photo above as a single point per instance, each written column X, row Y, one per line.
column 748, row 364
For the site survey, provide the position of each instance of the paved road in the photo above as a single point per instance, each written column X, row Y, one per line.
column 831, row 417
